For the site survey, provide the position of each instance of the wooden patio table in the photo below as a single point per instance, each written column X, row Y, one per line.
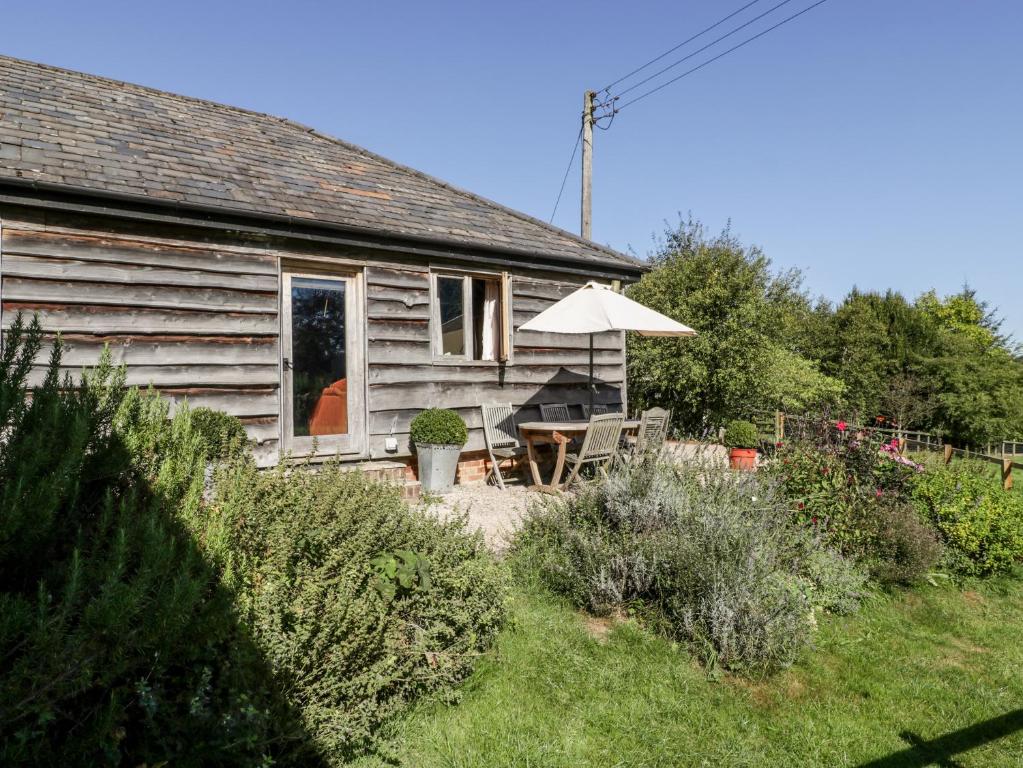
column 559, row 433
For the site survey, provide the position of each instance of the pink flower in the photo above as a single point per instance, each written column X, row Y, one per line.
column 779, row 444
column 880, row 493
column 842, row 426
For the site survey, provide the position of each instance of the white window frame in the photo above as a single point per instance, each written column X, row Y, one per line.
column 505, row 344
column 355, row 441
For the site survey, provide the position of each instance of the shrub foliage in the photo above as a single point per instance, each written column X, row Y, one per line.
column 438, row 426
column 852, row 489
column 141, row 624
column 712, row 557
column 981, row 524
column 118, row 642
column 741, row 434
column 353, row 640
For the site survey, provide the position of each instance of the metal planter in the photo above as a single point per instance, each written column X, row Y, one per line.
column 437, row 465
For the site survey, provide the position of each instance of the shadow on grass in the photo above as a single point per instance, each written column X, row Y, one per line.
column 942, row 750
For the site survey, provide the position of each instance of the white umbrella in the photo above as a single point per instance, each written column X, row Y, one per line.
column 595, row 308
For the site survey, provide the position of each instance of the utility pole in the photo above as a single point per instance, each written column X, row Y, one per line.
column 587, row 206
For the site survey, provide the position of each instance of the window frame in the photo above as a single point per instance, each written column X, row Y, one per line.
column 354, row 442
column 505, row 343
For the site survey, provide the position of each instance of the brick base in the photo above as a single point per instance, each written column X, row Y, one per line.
column 473, row 467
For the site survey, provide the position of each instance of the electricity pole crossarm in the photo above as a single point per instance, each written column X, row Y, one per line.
column 587, row 186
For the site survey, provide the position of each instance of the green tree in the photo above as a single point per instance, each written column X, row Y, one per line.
column 740, row 309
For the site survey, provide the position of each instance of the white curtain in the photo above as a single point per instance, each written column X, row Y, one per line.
column 491, row 321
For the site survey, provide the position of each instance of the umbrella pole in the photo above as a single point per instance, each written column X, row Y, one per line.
column 591, row 374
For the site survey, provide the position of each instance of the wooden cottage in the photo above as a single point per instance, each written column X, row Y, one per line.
column 241, row 261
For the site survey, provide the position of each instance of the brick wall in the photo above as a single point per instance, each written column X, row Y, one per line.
column 472, row 468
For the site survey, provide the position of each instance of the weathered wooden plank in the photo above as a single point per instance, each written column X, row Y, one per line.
column 53, row 268
column 570, row 357
column 162, row 376
column 387, row 309
column 236, row 401
column 135, row 295
column 528, row 308
column 85, row 349
column 567, row 340
column 493, row 375
column 398, row 278
column 136, row 251
column 398, row 422
column 548, row 291
column 398, row 329
column 390, row 397
column 408, row 296
column 405, row 353
column 110, row 319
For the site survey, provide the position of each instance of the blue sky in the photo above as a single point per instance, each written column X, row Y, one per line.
column 869, row 142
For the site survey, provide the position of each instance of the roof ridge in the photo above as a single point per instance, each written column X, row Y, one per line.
column 347, row 144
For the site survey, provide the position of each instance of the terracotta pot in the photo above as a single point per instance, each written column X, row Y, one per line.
column 743, row 458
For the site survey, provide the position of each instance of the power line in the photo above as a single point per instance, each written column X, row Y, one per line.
column 720, row 55
column 711, row 44
column 568, row 170
column 684, row 42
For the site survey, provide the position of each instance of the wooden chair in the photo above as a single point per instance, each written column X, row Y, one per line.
column 501, row 437
column 555, row 412
column 653, row 430
column 598, row 409
column 600, row 445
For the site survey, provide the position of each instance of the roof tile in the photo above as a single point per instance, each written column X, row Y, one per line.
column 72, row 128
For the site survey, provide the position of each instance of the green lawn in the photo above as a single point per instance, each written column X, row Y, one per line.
column 934, row 664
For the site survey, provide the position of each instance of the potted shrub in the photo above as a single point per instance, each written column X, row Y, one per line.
column 741, row 439
column 438, row 435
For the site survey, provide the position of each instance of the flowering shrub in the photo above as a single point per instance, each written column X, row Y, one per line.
column 852, row 486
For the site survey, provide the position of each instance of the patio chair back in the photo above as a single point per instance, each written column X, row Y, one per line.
column 653, row 430
column 602, row 436
column 598, row 408
column 555, row 412
column 499, row 426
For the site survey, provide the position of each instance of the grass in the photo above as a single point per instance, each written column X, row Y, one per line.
column 910, row 668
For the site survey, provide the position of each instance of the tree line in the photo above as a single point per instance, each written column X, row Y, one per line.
column 930, row 363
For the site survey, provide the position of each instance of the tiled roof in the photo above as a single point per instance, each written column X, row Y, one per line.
column 87, row 132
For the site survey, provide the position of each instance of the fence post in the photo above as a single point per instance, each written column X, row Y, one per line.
column 948, row 453
column 902, row 446
column 1007, row 474
column 779, row 426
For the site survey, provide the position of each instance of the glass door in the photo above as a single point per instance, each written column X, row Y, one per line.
column 322, row 364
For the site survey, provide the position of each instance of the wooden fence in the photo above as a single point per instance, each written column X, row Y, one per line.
column 772, row 429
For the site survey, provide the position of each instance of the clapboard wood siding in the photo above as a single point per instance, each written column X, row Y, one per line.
column 403, row 377
column 197, row 317
column 196, row 320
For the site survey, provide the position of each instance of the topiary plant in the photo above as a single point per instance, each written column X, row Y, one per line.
column 741, row 434
column 438, row 426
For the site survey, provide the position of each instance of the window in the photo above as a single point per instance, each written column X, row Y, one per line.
column 470, row 317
